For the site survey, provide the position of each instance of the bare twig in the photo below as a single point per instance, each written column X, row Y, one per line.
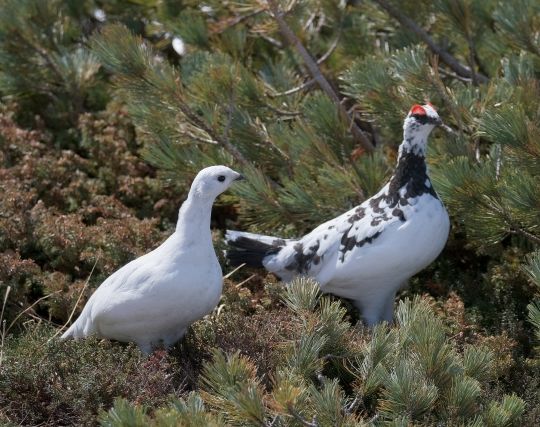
column 331, row 49
column 300, row 418
column 455, row 76
column 229, row 274
column 292, row 91
column 445, row 56
column 239, row 285
column 316, row 73
column 228, row 123
column 76, row 302
column 349, row 409
column 272, row 41
column 498, row 161
column 283, row 112
column 198, row 138
column 3, row 324
column 32, row 315
column 524, row 233
column 30, row 307
column 236, row 20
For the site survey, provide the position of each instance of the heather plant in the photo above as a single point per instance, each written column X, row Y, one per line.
column 47, row 381
column 66, row 217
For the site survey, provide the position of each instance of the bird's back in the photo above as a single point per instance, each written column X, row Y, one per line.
column 366, row 243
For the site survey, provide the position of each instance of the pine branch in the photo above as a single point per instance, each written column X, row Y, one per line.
column 316, row 73
column 472, row 55
column 524, row 233
column 283, row 112
column 198, row 122
column 446, row 57
column 514, row 228
column 301, row 419
column 229, row 23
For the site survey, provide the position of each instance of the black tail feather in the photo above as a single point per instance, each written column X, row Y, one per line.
column 251, row 251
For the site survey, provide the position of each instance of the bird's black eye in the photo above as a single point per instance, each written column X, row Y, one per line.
column 221, row 178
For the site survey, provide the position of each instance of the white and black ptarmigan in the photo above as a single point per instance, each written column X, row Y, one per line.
column 369, row 252
column 152, row 300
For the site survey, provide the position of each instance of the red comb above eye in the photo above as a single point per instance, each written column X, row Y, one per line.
column 418, row 109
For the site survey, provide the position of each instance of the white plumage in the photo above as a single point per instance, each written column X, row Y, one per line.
column 152, row 300
column 369, row 252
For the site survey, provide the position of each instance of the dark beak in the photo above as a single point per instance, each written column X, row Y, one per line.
column 435, row 121
column 239, row 178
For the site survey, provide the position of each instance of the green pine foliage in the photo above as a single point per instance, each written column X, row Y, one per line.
column 103, row 125
column 44, row 62
column 410, row 373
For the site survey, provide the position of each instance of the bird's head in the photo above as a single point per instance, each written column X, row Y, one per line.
column 418, row 124
column 214, row 180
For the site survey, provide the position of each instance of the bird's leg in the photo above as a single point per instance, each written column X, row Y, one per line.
column 376, row 307
column 145, row 348
column 388, row 311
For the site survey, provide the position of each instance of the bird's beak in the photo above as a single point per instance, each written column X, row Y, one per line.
column 240, row 177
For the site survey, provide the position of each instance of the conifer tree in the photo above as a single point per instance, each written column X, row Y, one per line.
column 299, row 93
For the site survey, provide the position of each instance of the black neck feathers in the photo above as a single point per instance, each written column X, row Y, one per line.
column 410, row 174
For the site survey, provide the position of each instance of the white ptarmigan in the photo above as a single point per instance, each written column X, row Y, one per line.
column 369, row 252
column 152, row 300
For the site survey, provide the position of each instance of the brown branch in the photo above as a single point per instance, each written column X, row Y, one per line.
column 198, row 138
column 296, row 415
column 220, row 27
column 292, row 91
column 526, row 234
column 513, row 228
column 445, row 56
column 283, row 112
column 316, row 73
column 454, row 76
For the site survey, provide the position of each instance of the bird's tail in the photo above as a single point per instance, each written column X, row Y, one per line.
column 250, row 248
column 79, row 329
column 72, row 332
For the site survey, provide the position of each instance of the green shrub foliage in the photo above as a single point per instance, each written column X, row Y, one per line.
column 410, row 373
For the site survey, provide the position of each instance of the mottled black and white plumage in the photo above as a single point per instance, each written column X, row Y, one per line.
column 369, row 252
